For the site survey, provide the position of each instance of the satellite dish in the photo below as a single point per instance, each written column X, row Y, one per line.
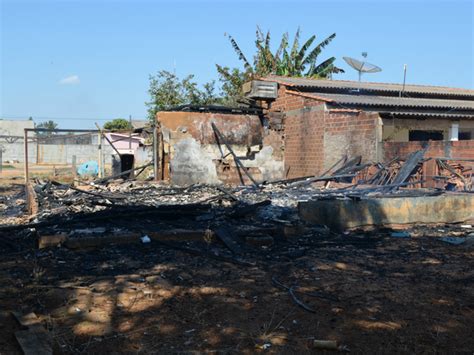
column 361, row 66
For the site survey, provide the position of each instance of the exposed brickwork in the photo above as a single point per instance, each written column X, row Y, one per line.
column 437, row 149
column 228, row 174
column 289, row 101
column 350, row 133
column 315, row 138
column 275, row 139
column 304, row 143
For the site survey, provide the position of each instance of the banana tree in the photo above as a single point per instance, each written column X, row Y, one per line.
column 295, row 61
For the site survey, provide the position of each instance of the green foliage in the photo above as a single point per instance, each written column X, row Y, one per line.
column 167, row 90
column 118, row 124
column 47, row 125
column 299, row 61
column 232, row 81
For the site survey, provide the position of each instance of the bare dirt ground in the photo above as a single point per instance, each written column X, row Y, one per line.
column 371, row 292
column 17, row 170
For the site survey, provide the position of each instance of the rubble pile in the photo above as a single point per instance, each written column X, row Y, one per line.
column 251, row 245
column 12, row 204
column 455, row 175
column 116, row 210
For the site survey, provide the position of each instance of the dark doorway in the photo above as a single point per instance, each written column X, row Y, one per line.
column 127, row 162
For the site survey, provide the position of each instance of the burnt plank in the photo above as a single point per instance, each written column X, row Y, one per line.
column 245, row 209
column 35, row 340
column 229, row 238
column 410, row 164
column 238, row 163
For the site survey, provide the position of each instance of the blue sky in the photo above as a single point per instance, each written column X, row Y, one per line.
column 78, row 62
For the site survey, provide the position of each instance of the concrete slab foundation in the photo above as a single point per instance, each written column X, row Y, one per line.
column 389, row 211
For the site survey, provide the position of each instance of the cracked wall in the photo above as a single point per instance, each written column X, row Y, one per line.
column 191, row 153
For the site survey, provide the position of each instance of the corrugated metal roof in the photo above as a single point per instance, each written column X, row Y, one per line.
column 140, row 123
column 455, row 109
column 369, row 100
column 387, row 87
column 308, row 94
column 426, row 114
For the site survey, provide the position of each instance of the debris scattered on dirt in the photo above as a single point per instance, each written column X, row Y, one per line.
column 146, row 267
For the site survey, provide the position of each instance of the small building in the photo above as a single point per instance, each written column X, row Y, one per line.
column 302, row 127
column 14, row 128
column 12, row 139
column 127, row 144
column 326, row 119
column 199, row 145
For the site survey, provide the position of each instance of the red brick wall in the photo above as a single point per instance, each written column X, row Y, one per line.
column 350, row 134
column 304, row 143
column 287, row 102
column 315, row 139
column 438, row 149
column 453, row 150
column 303, row 133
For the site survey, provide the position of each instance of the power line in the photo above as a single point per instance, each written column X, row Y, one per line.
column 57, row 118
column 13, row 117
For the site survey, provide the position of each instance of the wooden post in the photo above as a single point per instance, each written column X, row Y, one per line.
column 161, row 153
column 25, row 137
column 238, row 163
column 101, row 166
column 107, row 139
column 74, row 167
column 130, row 133
column 155, row 153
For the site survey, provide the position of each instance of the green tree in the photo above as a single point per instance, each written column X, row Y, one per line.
column 118, row 124
column 168, row 90
column 231, row 84
column 47, row 125
column 297, row 60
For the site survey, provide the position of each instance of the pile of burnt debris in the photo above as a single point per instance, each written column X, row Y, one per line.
column 12, row 204
column 277, row 227
column 123, row 211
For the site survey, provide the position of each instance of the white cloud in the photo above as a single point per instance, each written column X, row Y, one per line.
column 70, row 80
